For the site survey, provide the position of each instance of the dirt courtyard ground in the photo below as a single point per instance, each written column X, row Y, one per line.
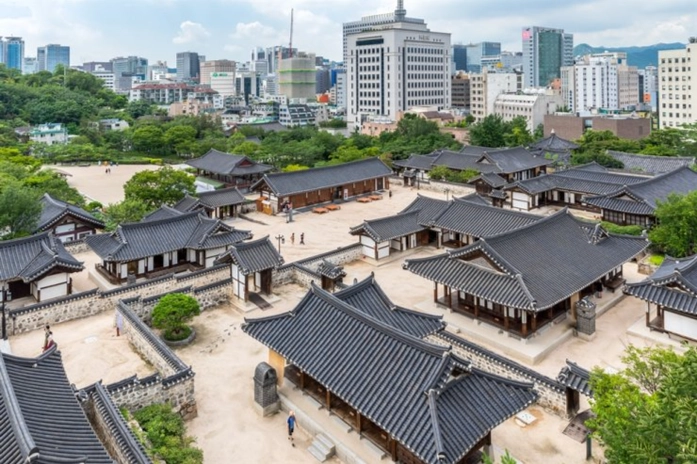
column 223, row 358
column 99, row 186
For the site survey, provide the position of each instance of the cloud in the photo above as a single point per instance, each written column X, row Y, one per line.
column 253, row 30
column 190, row 32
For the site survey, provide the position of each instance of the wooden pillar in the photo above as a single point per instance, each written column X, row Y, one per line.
column 393, row 448
column 505, row 319
column 450, row 297
column 534, row 322
column 329, row 400
column 358, row 423
column 476, row 307
column 648, row 314
column 524, row 327
column 435, row 292
column 302, row 380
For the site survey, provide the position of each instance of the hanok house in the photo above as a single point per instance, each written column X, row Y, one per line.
column 468, row 219
column 567, row 187
column 232, row 170
column 217, row 204
column 67, row 222
column 321, row 185
column 153, row 248
column 37, row 266
column 636, row 204
column 252, row 265
column 416, row 401
column 526, row 278
column 555, row 148
column 415, row 169
column 672, row 289
column 651, row 164
column 44, row 420
column 404, row 231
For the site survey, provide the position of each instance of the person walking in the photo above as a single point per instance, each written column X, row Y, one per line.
column 49, row 341
column 47, row 334
column 302, row 238
column 292, row 238
column 291, row 426
column 390, row 193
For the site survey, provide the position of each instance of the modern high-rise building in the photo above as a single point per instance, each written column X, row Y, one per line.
column 460, row 90
column 297, row 78
column 545, row 51
column 677, row 76
column 485, row 87
column 376, row 21
column 395, row 67
column 459, row 53
column 13, row 52
column 504, row 62
column 126, row 68
column 272, row 53
column 188, row 66
column 52, row 55
column 648, row 86
column 323, row 81
column 30, row 65
column 600, row 81
column 475, row 52
column 215, row 66
column 97, row 65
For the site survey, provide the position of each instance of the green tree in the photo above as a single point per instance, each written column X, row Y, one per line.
column 178, row 137
column 489, row 132
column 295, row 167
column 148, row 139
column 676, row 231
column 139, row 108
column 123, row 212
column 602, row 159
column 539, row 132
column 19, row 210
column 47, row 181
column 647, row 413
column 164, row 186
column 172, row 313
column 517, row 133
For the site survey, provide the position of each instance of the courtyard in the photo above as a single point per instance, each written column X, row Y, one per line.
column 224, row 358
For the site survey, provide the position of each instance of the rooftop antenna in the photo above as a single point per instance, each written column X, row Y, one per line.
column 400, row 13
column 290, row 52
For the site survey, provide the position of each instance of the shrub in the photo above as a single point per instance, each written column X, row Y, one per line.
column 172, row 313
column 622, row 230
column 165, row 430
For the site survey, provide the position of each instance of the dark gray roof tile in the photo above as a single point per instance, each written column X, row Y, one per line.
column 390, row 227
column 575, row 377
column 478, row 220
column 650, row 164
column 222, row 197
column 554, row 144
column 30, row 257
column 515, row 159
column 253, row 256
column 673, row 285
column 53, row 210
column 218, row 162
column 290, row 183
column 419, row 402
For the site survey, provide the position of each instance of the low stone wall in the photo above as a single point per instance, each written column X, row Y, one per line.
column 76, row 247
column 551, row 393
column 134, row 393
column 304, row 271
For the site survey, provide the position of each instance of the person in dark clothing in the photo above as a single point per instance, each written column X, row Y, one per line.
column 302, row 238
column 291, row 426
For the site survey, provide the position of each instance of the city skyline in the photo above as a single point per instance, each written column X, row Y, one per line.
column 97, row 30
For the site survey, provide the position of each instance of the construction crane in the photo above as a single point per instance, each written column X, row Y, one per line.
column 290, row 52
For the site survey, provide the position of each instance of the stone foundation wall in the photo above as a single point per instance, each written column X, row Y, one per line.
column 551, row 393
column 138, row 394
column 76, row 247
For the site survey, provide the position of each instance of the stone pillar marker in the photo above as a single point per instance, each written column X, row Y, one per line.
column 585, row 318
column 266, row 399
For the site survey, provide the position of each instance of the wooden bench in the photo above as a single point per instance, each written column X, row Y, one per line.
column 364, row 200
column 333, row 207
column 375, row 197
column 319, row 210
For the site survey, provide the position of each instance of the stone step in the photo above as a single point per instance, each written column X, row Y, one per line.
column 325, row 440
column 318, row 452
column 327, row 451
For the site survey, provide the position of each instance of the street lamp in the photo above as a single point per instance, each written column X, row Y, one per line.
column 281, row 239
column 6, row 296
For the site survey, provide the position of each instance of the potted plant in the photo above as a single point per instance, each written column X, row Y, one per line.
column 172, row 313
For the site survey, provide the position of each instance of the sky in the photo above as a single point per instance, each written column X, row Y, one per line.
column 98, row 30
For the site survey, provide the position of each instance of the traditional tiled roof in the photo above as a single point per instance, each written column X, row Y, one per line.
column 163, row 212
column 212, row 199
column 218, row 162
column 142, row 239
column 53, row 210
column 368, row 297
column 253, row 256
column 121, row 434
column 187, row 204
column 462, row 161
column 29, row 258
column 591, row 179
column 475, row 198
column 429, row 400
column 474, row 150
column 554, row 144
column 427, row 207
column 651, row 164
column 291, row 183
column 575, row 377
column 478, row 220
column 642, row 197
column 389, row 227
column 497, row 193
column 533, row 267
column 331, row 270
column 512, row 160
column 673, row 285
column 421, row 162
column 41, row 419
column 490, row 178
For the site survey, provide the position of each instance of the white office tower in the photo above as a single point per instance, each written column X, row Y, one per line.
column 677, row 76
column 395, row 67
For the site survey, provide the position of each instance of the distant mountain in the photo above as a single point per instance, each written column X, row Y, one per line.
column 640, row 57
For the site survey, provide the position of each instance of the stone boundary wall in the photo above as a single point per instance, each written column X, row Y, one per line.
column 94, row 301
column 551, row 393
column 303, row 272
column 76, row 247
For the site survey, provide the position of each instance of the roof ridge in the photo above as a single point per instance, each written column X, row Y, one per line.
column 543, row 220
column 14, row 411
column 387, row 329
column 22, row 240
column 435, row 425
column 662, row 157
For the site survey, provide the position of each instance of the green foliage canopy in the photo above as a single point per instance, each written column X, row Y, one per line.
column 164, row 186
column 676, row 231
column 173, row 311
